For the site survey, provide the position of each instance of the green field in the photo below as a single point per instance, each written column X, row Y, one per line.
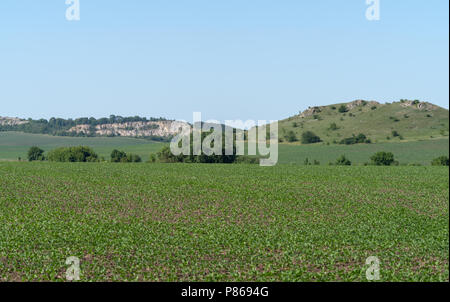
column 414, row 152
column 188, row 222
column 16, row 144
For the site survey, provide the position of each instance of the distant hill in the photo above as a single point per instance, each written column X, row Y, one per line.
column 391, row 122
column 154, row 128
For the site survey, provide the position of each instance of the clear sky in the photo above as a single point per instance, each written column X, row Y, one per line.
column 229, row 59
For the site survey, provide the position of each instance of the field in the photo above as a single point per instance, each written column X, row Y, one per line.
column 414, row 152
column 15, row 144
column 187, row 222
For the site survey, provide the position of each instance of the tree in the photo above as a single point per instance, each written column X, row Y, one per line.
column 73, row 154
column 359, row 139
column 134, row 158
column 117, row 156
column 440, row 161
column 382, row 159
column 309, row 137
column 343, row 161
column 291, row 137
column 35, row 153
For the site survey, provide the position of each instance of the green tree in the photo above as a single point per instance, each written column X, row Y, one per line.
column 343, row 161
column 73, row 154
column 35, row 153
column 117, row 156
column 309, row 137
column 382, row 159
column 291, row 137
column 440, row 161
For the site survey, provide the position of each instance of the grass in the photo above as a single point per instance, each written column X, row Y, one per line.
column 415, row 152
column 15, row 144
column 187, row 222
column 410, row 122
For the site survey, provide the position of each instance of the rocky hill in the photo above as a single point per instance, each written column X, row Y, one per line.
column 405, row 120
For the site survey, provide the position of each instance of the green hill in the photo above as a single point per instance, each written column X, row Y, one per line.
column 398, row 121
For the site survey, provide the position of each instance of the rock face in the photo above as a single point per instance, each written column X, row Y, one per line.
column 358, row 103
column 11, row 121
column 425, row 106
column 132, row 129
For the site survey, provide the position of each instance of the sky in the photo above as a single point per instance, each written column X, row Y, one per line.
column 229, row 59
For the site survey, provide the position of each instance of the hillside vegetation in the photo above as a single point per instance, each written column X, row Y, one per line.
column 404, row 120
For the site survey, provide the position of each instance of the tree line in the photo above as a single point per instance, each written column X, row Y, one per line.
column 87, row 154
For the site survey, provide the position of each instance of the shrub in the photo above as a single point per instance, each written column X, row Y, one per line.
column 440, row 161
column 73, row 154
column 333, row 127
column 395, row 133
column 35, row 153
column 382, row 159
column 291, row 137
column 359, row 139
column 152, row 158
column 309, row 137
column 134, row 158
column 122, row 157
column 343, row 109
column 117, row 156
column 343, row 161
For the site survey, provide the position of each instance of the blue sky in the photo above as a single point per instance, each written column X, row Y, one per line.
column 229, row 59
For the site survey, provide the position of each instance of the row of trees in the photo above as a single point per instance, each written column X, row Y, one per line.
column 87, row 154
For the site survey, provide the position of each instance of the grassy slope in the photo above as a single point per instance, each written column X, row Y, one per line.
column 222, row 222
column 15, row 144
column 375, row 124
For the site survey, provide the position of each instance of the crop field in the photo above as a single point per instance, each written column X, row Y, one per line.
column 188, row 222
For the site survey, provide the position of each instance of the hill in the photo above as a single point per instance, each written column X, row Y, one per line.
column 155, row 128
column 404, row 120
